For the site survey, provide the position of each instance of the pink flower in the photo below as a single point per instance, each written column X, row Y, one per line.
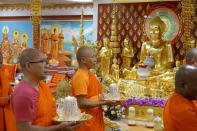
column 112, row 112
column 123, row 116
column 105, row 109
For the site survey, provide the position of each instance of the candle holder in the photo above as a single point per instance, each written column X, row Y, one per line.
column 143, row 72
column 150, row 116
column 131, row 121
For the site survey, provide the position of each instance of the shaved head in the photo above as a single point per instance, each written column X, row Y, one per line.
column 191, row 56
column 186, row 82
column 81, row 52
column 29, row 55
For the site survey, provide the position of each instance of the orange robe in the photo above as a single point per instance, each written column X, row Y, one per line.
column 46, row 108
column 87, row 84
column 180, row 114
column 7, row 119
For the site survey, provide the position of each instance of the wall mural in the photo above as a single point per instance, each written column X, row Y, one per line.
column 15, row 37
column 59, row 38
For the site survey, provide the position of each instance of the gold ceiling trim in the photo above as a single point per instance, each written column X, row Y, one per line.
column 136, row 1
column 27, row 6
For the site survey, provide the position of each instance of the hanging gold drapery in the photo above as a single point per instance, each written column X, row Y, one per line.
column 35, row 17
column 188, row 11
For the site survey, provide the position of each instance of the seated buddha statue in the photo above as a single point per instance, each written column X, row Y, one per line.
column 160, row 49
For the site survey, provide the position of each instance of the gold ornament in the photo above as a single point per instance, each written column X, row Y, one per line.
column 108, row 32
column 119, row 37
column 100, row 21
column 131, row 8
column 138, row 44
column 131, row 32
column 123, row 32
column 135, row 14
column 131, row 20
column 127, row 14
column 104, row 15
column 123, row 20
column 108, row 20
column 178, row 45
column 135, row 27
column 116, row 8
column 119, row 26
column 139, row 7
column 123, row 8
column 119, row 15
column 113, row 14
column 139, row 20
column 179, row 6
column 108, row 9
column 100, row 32
column 101, row 9
column 135, row 38
column 182, row 52
column 139, row 32
column 134, row 50
column 143, row 13
column 127, row 26
column 104, row 27
column 147, row 7
column 138, row 55
column 177, row 57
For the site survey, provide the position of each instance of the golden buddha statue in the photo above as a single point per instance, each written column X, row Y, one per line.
column 106, row 55
column 160, row 50
column 115, row 69
column 54, row 47
column 127, row 54
column 5, row 45
column 48, row 38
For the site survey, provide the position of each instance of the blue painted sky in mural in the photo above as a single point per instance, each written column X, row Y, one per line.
column 72, row 27
column 21, row 26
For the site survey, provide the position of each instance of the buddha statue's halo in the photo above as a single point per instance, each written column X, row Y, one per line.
column 158, row 21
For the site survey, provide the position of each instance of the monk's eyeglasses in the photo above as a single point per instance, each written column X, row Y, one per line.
column 35, row 62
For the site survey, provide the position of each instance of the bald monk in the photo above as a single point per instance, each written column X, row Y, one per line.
column 180, row 113
column 7, row 119
column 86, row 88
column 32, row 101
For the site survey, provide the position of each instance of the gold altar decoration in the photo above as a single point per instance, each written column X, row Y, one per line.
column 81, row 35
column 35, row 17
column 188, row 11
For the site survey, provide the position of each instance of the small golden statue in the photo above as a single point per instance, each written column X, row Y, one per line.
column 5, row 44
column 115, row 69
column 127, row 54
column 160, row 50
column 106, row 55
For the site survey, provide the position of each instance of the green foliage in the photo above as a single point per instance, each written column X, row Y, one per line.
column 63, row 89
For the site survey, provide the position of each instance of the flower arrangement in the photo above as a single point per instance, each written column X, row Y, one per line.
column 145, row 101
column 114, row 112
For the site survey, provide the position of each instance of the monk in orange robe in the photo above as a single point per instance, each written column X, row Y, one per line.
column 7, row 119
column 180, row 112
column 86, row 88
column 60, row 44
column 32, row 100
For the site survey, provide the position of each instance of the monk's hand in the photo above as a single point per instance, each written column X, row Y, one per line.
column 112, row 103
column 70, row 126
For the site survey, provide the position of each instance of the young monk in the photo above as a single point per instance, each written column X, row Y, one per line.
column 86, row 88
column 32, row 101
column 180, row 113
column 7, row 119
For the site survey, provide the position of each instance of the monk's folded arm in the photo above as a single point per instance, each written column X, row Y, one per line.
column 3, row 101
column 27, row 126
column 84, row 103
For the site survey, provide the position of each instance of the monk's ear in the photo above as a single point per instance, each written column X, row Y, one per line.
column 27, row 66
column 83, row 59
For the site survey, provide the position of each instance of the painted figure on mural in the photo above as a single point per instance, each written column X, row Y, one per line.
column 158, row 48
column 54, row 46
column 5, row 44
column 48, row 38
column 15, row 48
column 61, row 40
column 24, row 38
column 127, row 54
column 106, row 55
column 44, row 42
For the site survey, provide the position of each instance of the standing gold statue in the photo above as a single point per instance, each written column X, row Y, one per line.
column 61, row 40
column 160, row 50
column 127, row 54
column 106, row 55
column 115, row 69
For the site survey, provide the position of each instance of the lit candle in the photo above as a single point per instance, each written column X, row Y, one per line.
column 131, row 116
